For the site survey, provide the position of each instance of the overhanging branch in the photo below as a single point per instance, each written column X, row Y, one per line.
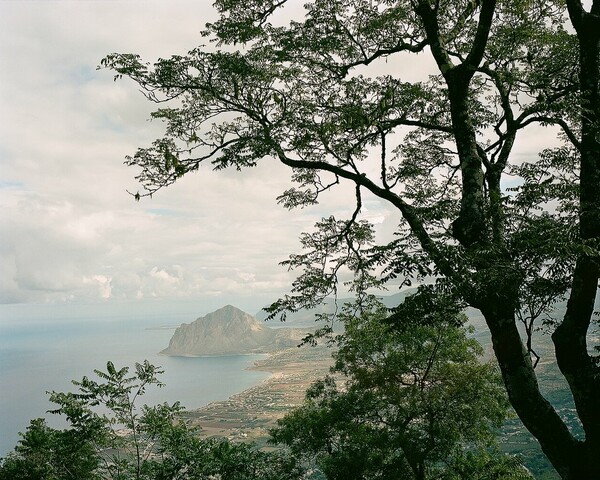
column 407, row 211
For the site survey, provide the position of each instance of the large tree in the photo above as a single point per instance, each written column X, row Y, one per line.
column 437, row 150
column 415, row 403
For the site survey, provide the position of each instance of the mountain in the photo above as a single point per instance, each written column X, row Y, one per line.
column 306, row 318
column 230, row 331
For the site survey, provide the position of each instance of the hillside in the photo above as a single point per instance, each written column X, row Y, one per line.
column 230, row 331
column 513, row 437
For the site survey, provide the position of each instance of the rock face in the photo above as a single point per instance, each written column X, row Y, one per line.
column 229, row 331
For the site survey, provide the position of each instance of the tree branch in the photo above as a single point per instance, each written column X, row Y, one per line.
column 408, row 212
column 481, row 36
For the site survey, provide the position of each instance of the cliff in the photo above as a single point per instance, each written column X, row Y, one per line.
column 229, row 331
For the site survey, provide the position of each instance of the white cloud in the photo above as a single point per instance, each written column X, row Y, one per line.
column 68, row 229
column 103, row 283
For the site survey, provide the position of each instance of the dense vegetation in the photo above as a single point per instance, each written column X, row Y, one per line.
column 414, row 402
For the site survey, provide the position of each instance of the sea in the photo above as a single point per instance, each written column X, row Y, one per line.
column 44, row 349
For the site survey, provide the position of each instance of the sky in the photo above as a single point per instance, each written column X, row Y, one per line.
column 70, row 234
column 69, row 231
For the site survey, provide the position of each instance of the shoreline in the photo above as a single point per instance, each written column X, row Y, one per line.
column 215, row 356
column 247, row 416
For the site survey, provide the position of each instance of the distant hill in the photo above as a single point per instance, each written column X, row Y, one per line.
column 307, row 317
column 230, row 331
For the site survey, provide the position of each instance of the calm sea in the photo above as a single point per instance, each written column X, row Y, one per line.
column 38, row 354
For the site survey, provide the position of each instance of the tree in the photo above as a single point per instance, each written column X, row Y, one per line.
column 414, row 403
column 579, row 367
column 112, row 437
column 46, row 453
column 437, row 150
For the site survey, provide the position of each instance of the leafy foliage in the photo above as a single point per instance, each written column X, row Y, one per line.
column 111, row 437
column 298, row 93
column 414, row 401
column 46, row 453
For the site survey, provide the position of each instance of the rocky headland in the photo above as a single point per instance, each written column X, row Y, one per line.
column 230, row 331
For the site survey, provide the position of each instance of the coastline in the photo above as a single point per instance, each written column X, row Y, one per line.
column 247, row 416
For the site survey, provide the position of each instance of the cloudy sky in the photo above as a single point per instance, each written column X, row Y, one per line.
column 69, row 232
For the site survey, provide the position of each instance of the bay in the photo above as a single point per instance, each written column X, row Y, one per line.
column 40, row 353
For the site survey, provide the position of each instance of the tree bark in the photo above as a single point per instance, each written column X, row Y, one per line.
column 470, row 227
column 571, row 458
column 570, row 338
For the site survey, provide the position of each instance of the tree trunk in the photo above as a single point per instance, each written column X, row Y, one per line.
column 570, row 338
column 470, row 227
column 571, row 458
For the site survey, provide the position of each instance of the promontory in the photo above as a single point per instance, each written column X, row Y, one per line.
column 230, row 331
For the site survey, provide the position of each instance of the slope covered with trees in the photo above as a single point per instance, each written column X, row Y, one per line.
column 437, row 150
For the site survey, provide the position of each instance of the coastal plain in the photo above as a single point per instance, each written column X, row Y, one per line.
column 247, row 416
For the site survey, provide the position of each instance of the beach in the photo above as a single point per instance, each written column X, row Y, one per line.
column 247, row 416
